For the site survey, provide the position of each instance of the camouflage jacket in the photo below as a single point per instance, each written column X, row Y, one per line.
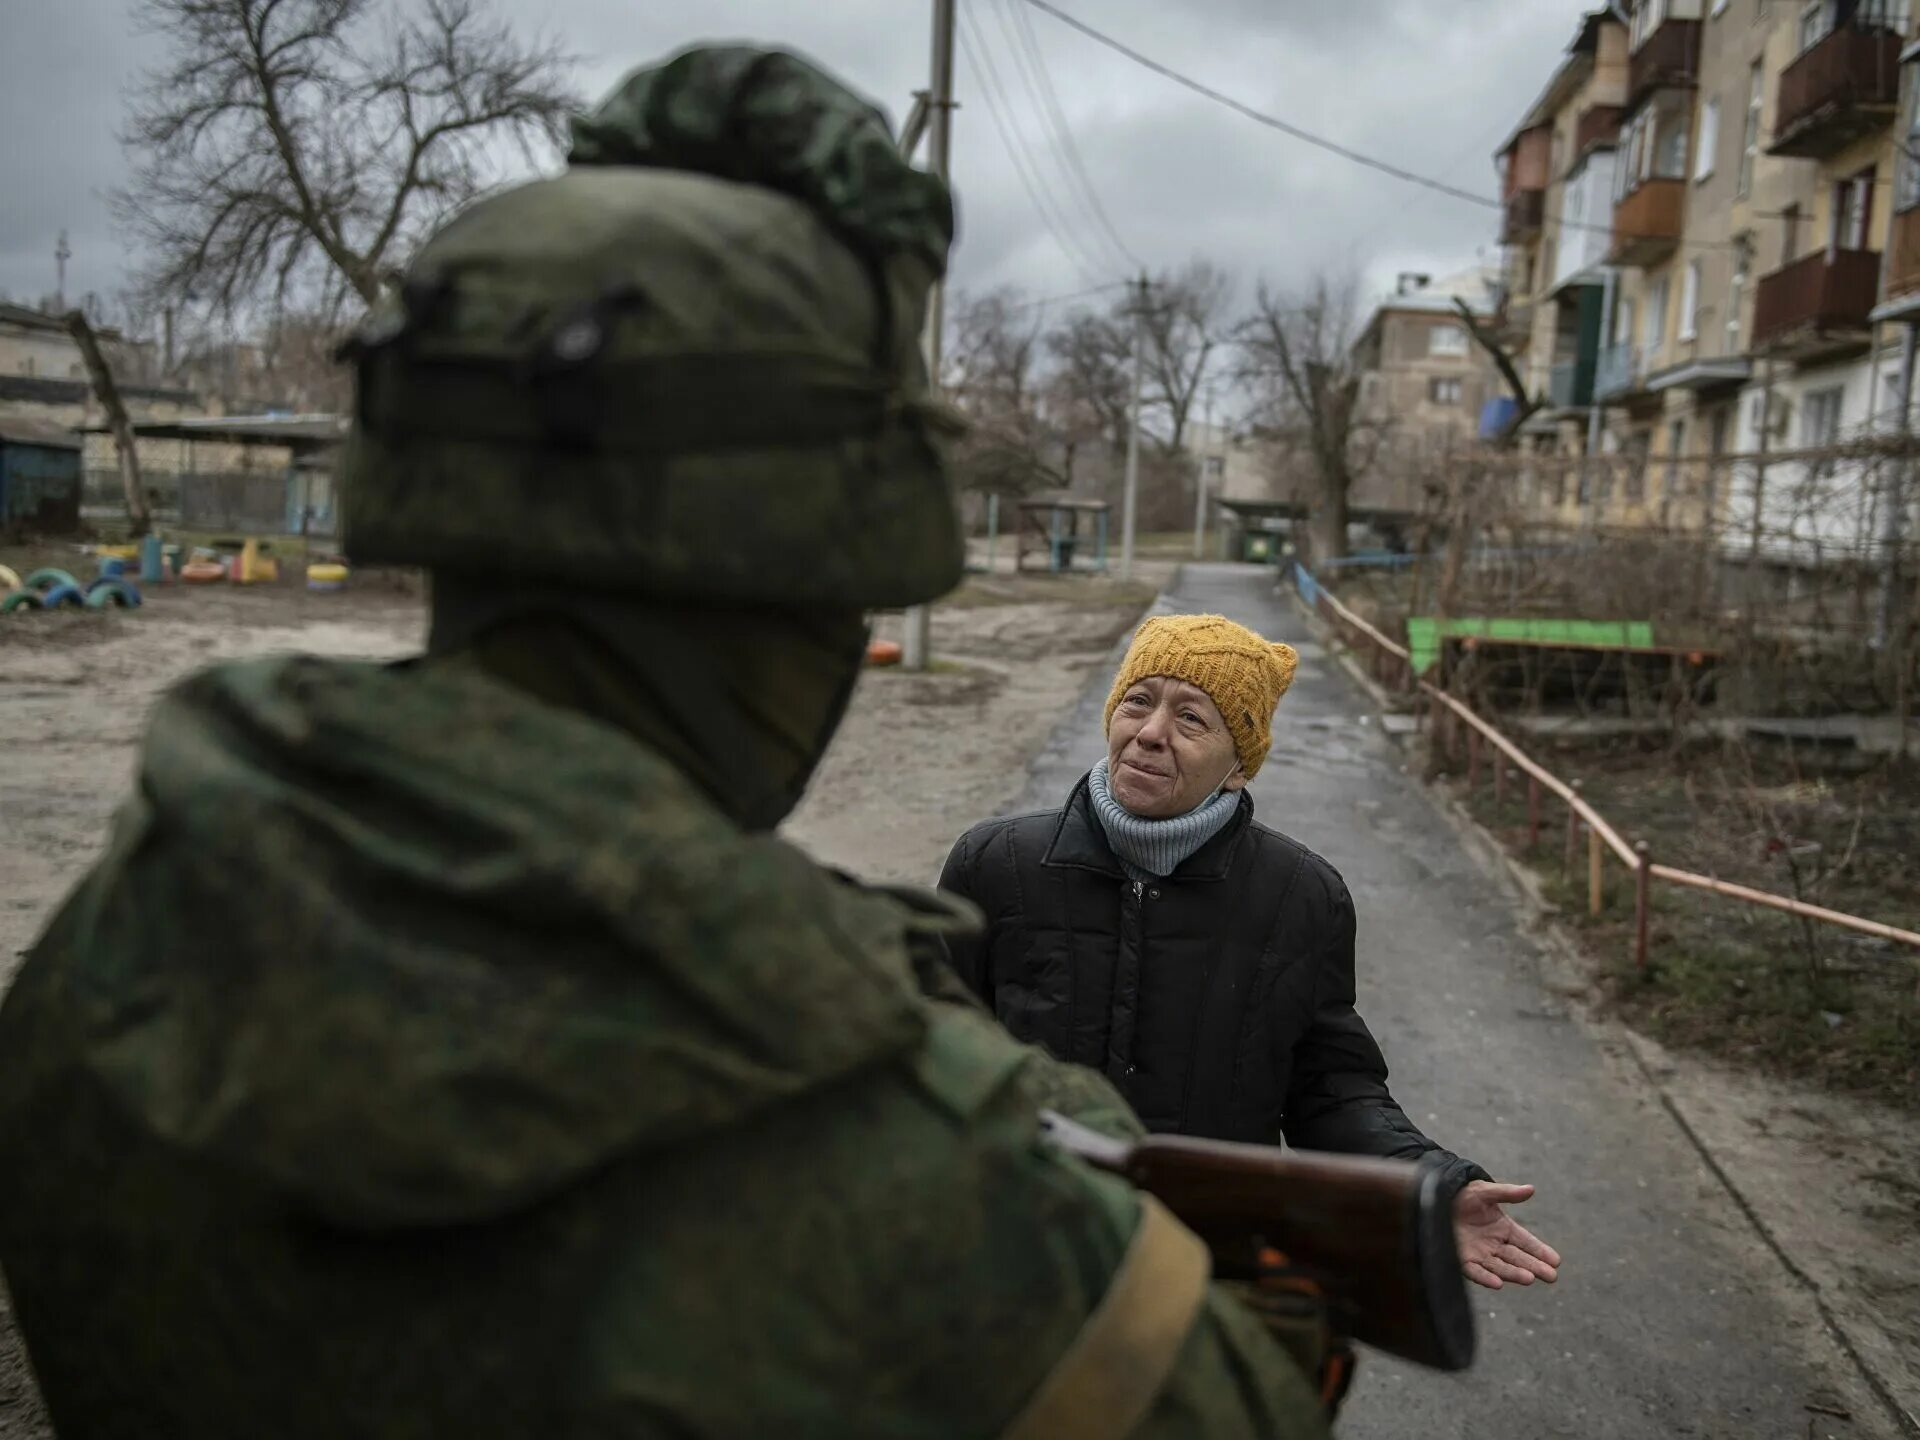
column 424, row 1061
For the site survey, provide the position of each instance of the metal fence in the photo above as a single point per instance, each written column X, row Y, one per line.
column 291, row 502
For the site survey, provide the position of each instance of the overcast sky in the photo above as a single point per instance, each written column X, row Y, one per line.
column 1433, row 85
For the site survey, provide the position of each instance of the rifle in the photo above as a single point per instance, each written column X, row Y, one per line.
column 1371, row 1236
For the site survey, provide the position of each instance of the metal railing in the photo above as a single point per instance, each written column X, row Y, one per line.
column 1449, row 719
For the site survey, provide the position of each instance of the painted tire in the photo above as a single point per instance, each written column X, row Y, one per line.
column 9, row 580
column 45, row 580
column 63, row 595
column 112, row 567
column 111, row 591
column 327, row 574
column 884, row 652
column 22, row 600
column 202, row 572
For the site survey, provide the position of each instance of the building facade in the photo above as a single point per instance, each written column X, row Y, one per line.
column 1423, row 379
column 1753, row 191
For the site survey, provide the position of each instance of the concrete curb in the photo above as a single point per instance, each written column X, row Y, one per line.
column 1567, row 970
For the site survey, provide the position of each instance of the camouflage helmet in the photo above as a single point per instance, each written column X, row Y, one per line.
column 689, row 366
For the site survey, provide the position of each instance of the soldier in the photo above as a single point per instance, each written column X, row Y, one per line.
column 448, row 1048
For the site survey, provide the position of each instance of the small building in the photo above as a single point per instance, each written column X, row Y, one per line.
column 39, row 477
column 263, row 474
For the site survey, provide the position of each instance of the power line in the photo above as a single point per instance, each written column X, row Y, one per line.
column 1015, row 22
column 1274, row 122
column 1069, row 298
column 974, row 47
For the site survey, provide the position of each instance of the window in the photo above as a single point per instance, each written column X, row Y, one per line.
column 1445, row 391
column 1623, row 318
column 1736, row 297
column 1816, row 23
column 1853, row 211
column 1446, row 340
column 1820, row 424
column 1676, row 446
column 1690, row 301
column 1908, row 193
column 1709, row 139
column 1656, row 316
column 1671, row 161
column 1750, row 142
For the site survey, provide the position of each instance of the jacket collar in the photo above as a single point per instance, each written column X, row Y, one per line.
column 1080, row 844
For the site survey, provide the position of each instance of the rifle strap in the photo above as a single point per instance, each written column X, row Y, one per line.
column 1107, row 1380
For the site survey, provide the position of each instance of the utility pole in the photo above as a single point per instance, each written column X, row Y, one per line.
column 1200, row 485
column 62, row 253
column 916, row 646
column 1132, row 492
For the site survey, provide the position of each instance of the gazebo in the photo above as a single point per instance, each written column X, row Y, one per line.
column 1058, row 528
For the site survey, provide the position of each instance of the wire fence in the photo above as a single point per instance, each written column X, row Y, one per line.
column 253, row 502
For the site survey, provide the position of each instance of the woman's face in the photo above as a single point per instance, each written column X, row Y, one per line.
column 1168, row 749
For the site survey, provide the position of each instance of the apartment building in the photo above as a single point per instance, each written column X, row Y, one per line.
column 1423, row 380
column 1557, row 181
column 1753, row 185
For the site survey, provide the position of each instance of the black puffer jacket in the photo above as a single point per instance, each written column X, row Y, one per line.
column 1219, row 1000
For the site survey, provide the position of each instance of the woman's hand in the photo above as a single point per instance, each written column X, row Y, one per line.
column 1495, row 1248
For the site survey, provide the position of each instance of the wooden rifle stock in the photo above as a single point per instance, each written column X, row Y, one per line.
column 1373, row 1235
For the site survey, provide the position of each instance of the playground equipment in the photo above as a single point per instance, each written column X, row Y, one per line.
column 884, row 652
column 52, row 589
column 326, row 576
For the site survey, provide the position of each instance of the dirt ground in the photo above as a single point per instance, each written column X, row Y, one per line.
column 920, row 757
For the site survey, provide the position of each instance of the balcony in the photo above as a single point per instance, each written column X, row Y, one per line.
column 1524, row 212
column 1845, row 87
column 1598, row 126
column 1646, row 223
column 1903, row 263
column 1669, row 57
column 1570, row 385
column 1618, row 375
column 1818, row 305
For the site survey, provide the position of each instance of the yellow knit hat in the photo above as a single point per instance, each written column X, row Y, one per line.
column 1241, row 673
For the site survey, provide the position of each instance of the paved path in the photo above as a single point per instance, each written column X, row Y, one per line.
column 1671, row 1318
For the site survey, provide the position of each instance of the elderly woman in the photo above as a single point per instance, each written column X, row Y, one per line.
column 1152, row 930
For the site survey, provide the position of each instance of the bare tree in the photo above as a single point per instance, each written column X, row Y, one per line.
column 1090, row 353
column 1297, row 352
column 1184, row 324
column 296, row 149
column 139, row 518
column 992, row 375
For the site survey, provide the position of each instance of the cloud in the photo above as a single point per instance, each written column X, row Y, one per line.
column 1431, row 87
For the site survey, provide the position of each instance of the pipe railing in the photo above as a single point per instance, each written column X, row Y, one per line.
column 1450, row 714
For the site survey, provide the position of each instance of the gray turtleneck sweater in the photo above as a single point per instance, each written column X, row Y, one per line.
column 1154, row 849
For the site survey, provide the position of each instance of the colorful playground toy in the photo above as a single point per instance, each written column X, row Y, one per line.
column 326, row 577
column 111, row 590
